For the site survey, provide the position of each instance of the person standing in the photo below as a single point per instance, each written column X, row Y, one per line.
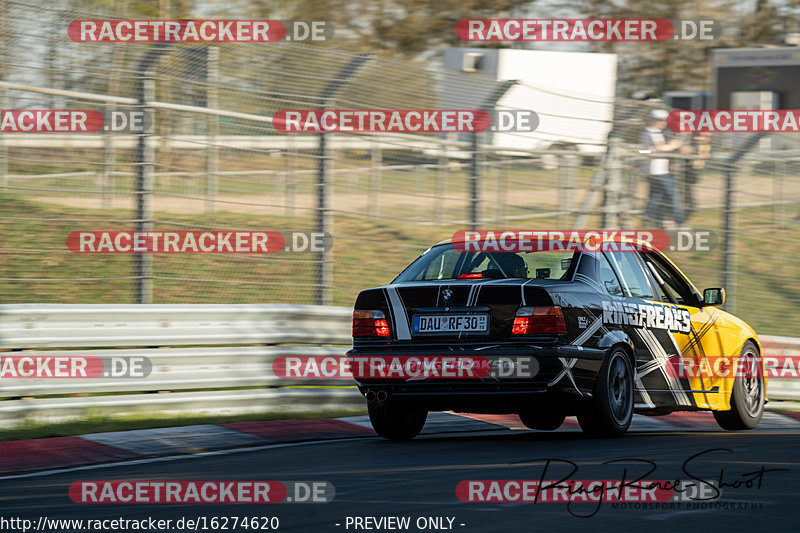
column 664, row 206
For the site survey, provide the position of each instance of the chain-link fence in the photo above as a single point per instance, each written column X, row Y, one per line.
column 214, row 161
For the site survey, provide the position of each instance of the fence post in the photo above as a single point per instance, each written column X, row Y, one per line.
column 630, row 178
column 4, row 35
column 324, row 221
column 3, row 147
column 474, row 184
column 475, row 175
column 212, row 154
column 289, row 175
column 376, row 160
column 613, row 185
column 778, row 203
column 144, row 191
column 144, row 160
column 729, row 219
column 729, row 241
column 440, row 185
column 51, row 47
column 109, row 155
column 502, row 189
column 324, row 213
column 107, row 185
column 566, row 186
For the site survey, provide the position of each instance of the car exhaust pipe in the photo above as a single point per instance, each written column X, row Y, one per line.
column 370, row 395
column 382, row 396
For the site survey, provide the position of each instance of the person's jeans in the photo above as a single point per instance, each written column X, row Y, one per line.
column 664, row 201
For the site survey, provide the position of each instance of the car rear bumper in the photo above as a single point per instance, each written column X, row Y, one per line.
column 520, row 374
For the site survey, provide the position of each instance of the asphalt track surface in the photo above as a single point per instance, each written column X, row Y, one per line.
column 374, row 477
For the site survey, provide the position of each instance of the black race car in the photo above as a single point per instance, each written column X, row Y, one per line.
column 547, row 334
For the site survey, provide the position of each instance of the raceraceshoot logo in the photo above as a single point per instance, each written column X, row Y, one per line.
column 647, row 316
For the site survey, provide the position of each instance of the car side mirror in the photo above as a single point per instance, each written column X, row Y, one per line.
column 713, row 297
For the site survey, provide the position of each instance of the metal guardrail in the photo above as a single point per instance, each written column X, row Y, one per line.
column 178, row 369
column 202, row 359
column 205, row 359
column 105, row 325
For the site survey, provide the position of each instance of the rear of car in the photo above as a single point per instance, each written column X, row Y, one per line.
column 495, row 311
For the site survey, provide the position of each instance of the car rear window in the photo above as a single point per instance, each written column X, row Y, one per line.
column 445, row 262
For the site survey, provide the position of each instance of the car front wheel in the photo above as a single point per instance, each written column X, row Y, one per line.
column 748, row 396
column 610, row 412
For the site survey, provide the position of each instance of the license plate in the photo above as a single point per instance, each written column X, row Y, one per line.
column 450, row 323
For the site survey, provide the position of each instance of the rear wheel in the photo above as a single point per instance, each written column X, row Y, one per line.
column 396, row 420
column 610, row 412
column 542, row 421
column 747, row 398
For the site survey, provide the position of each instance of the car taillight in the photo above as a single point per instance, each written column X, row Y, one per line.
column 539, row 319
column 369, row 324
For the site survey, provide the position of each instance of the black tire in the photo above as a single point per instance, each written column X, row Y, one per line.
column 749, row 393
column 396, row 420
column 541, row 420
column 610, row 412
